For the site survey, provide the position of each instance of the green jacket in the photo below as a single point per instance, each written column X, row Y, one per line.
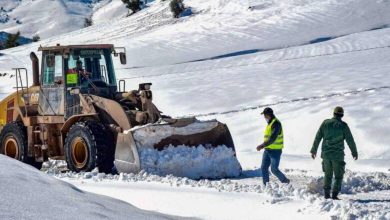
column 333, row 132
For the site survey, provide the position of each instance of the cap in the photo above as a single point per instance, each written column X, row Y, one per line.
column 338, row 110
column 267, row 111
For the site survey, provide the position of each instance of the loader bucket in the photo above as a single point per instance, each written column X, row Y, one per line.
column 169, row 133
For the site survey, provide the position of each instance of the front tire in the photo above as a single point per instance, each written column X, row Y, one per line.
column 88, row 145
column 13, row 141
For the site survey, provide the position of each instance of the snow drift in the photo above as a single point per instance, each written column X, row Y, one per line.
column 192, row 162
column 27, row 193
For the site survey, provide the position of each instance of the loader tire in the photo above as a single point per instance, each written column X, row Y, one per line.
column 89, row 144
column 13, row 139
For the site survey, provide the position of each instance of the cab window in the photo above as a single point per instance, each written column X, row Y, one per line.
column 52, row 69
column 85, row 66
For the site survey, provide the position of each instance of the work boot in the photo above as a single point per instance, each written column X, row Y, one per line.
column 287, row 181
column 334, row 196
column 327, row 195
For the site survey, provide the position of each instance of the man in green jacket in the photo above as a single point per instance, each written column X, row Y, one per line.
column 333, row 132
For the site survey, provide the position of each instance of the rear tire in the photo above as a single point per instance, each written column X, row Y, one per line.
column 13, row 143
column 89, row 144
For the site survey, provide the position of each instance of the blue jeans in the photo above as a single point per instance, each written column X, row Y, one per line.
column 272, row 158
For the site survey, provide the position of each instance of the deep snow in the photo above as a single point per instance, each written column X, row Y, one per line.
column 367, row 195
column 27, row 193
column 192, row 162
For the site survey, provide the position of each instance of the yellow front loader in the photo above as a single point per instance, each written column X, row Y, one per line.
column 76, row 111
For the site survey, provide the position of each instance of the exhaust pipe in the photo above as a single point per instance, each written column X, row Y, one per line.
column 35, row 68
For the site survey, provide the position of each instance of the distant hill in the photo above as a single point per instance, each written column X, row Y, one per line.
column 48, row 18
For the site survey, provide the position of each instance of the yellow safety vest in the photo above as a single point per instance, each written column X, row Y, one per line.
column 278, row 144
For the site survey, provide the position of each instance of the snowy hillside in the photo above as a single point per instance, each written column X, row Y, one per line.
column 30, row 194
column 303, row 80
column 228, row 61
column 48, row 18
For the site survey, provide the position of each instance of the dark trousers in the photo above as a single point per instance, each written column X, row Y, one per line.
column 331, row 167
column 272, row 158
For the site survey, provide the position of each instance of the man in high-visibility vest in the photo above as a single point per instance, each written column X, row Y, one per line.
column 273, row 144
column 81, row 71
column 333, row 132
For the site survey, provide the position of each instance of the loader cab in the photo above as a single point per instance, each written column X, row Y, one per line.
column 68, row 71
column 88, row 69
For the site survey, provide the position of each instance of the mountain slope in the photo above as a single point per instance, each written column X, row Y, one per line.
column 48, row 18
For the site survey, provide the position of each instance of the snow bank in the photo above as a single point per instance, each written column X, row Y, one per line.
column 355, row 183
column 192, row 162
column 27, row 193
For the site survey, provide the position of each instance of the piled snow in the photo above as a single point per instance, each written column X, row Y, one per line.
column 27, row 193
column 58, row 165
column 192, row 162
column 181, row 161
column 184, row 161
column 358, row 209
column 355, row 182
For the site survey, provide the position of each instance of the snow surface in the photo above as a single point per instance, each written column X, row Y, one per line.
column 192, row 162
column 107, row 10
column 367, row 195
column 27, row 193
column 48, row 18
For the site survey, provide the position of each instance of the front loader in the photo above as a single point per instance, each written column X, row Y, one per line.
column 77, row 111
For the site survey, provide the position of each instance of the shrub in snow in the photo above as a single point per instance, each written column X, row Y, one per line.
column 177, row 7
column 133, row 5
column 88, row 22
column 4, row 18
column 36, row 38
column 12, row 40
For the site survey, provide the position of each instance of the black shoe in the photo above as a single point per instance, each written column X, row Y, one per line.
column 334, row 196
column 327, row 195
column 287, row 181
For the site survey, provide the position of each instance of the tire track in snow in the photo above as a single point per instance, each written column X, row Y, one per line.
column 304, row 99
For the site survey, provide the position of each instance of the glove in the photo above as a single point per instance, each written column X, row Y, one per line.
column 313, row 155
column 261, row 146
